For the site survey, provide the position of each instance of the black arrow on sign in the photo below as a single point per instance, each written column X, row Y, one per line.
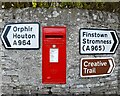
column 115, row 41
column 5, row 36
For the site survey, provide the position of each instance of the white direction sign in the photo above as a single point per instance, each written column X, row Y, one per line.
column 21, row 36
column 98, row 41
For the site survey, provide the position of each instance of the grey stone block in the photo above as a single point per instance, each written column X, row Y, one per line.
column 6, row 79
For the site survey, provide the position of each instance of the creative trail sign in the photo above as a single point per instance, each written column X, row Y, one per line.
column 93, row 67
column 98, row 41
column 21, row 36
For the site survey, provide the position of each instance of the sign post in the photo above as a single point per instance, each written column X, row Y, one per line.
column 98, row 41
column 93, row 67
column 21, row 36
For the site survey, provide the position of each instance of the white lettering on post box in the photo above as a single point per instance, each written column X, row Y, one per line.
column 53, row 55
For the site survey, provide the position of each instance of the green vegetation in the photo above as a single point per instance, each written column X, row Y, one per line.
column 106, row 6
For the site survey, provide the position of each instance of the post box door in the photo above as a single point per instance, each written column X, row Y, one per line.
column 54, row 62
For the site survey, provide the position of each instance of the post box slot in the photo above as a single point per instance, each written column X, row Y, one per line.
column 53, row 36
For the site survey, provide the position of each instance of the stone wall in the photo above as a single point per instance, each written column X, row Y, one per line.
column 21, row 69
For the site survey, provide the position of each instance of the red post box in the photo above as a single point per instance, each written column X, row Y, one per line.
column 54, row 55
